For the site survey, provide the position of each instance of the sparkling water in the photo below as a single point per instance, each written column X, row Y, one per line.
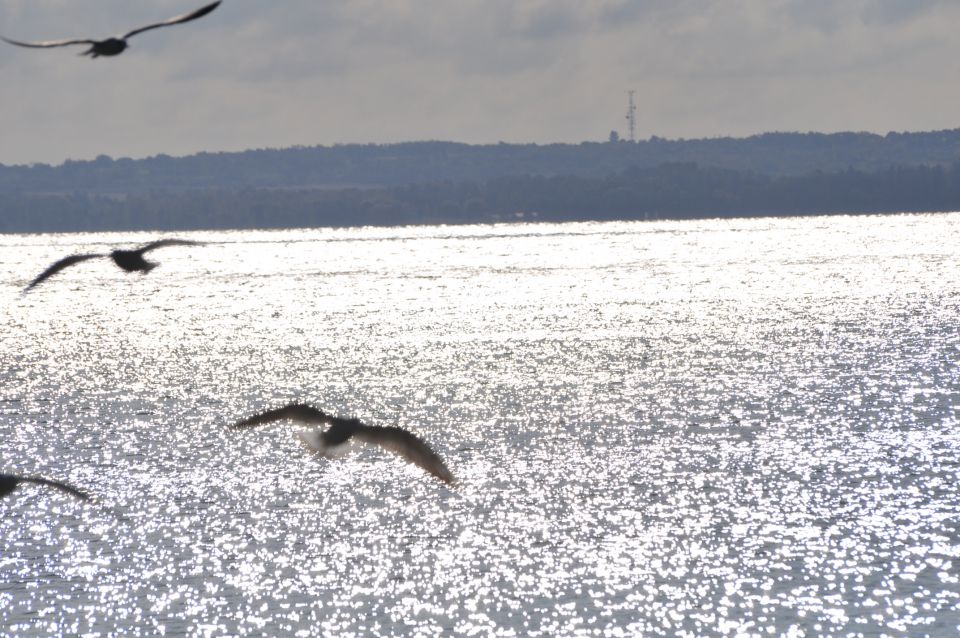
column 742, row 427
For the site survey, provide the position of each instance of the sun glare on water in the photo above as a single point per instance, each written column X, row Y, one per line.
column 743, row 427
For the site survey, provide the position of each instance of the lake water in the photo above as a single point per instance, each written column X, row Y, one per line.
column 744, row 427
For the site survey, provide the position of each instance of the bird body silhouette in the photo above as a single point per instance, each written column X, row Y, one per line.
column 9, row 482
column 129, row 260
column 329, row 442
column 116, row 45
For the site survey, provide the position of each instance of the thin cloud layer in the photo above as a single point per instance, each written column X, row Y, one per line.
column 256, row 74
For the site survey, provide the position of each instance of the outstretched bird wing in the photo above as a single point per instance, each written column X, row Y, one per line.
column 63, row 487
column 407, row 445
column 58, row 266
column 46, row 44
column 8, row 482
column 293, row 412
column 168, row 242
column 391, row 438
column 187, row 17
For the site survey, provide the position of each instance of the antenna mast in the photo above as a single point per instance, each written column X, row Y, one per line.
column 632, row 116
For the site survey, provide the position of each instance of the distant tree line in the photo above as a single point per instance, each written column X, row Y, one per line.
column 368, row 165
column 669, row 191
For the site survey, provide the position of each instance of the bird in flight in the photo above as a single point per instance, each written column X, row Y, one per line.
column 9, row 482
column 328, row 442
column 129, row 260
column 116, row 45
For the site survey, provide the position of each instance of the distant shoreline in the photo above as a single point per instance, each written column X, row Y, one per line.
column 505, row 222
column 777, row 174
column 670, row 192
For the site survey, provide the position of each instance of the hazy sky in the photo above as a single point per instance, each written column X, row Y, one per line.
column 272, row 73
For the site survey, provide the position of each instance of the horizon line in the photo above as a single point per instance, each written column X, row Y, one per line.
column 651, row 139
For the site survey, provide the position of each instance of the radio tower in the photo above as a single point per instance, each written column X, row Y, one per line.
column 632, row 116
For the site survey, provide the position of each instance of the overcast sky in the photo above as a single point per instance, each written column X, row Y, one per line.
column 274, row 73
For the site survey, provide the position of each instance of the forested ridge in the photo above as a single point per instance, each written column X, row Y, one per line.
column 447, row 182
column 425, row 162
column 669, row 191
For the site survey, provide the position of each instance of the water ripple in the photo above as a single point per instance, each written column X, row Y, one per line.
column 741, row 427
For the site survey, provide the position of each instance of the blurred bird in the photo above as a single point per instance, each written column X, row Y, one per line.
column 334, row 439
column 117, row 45
column 9, row 482
column 129, row 260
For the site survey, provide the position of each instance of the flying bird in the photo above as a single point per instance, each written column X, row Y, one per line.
column 9, row 482
column 116, row 45
column 129, row 260
column 330, row 441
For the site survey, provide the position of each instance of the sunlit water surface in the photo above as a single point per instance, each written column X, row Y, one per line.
column 741, row 427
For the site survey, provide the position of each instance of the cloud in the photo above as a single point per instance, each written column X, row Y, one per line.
column 255, row 74
column 833, row 16
column 898, row 11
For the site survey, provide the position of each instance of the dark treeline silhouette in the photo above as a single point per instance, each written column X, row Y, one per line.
column 420, row 162
column 670, row 191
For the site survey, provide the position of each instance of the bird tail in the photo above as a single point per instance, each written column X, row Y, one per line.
column 313, row 441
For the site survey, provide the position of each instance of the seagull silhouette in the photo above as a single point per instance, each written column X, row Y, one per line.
column 9, row 482
column 329, row 442
column 129, row 260
column 117, row 45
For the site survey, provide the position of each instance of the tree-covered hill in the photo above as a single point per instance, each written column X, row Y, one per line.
column 320, row 167
column 669, row 191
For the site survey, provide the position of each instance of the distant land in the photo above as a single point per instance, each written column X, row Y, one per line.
column 447, row 182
